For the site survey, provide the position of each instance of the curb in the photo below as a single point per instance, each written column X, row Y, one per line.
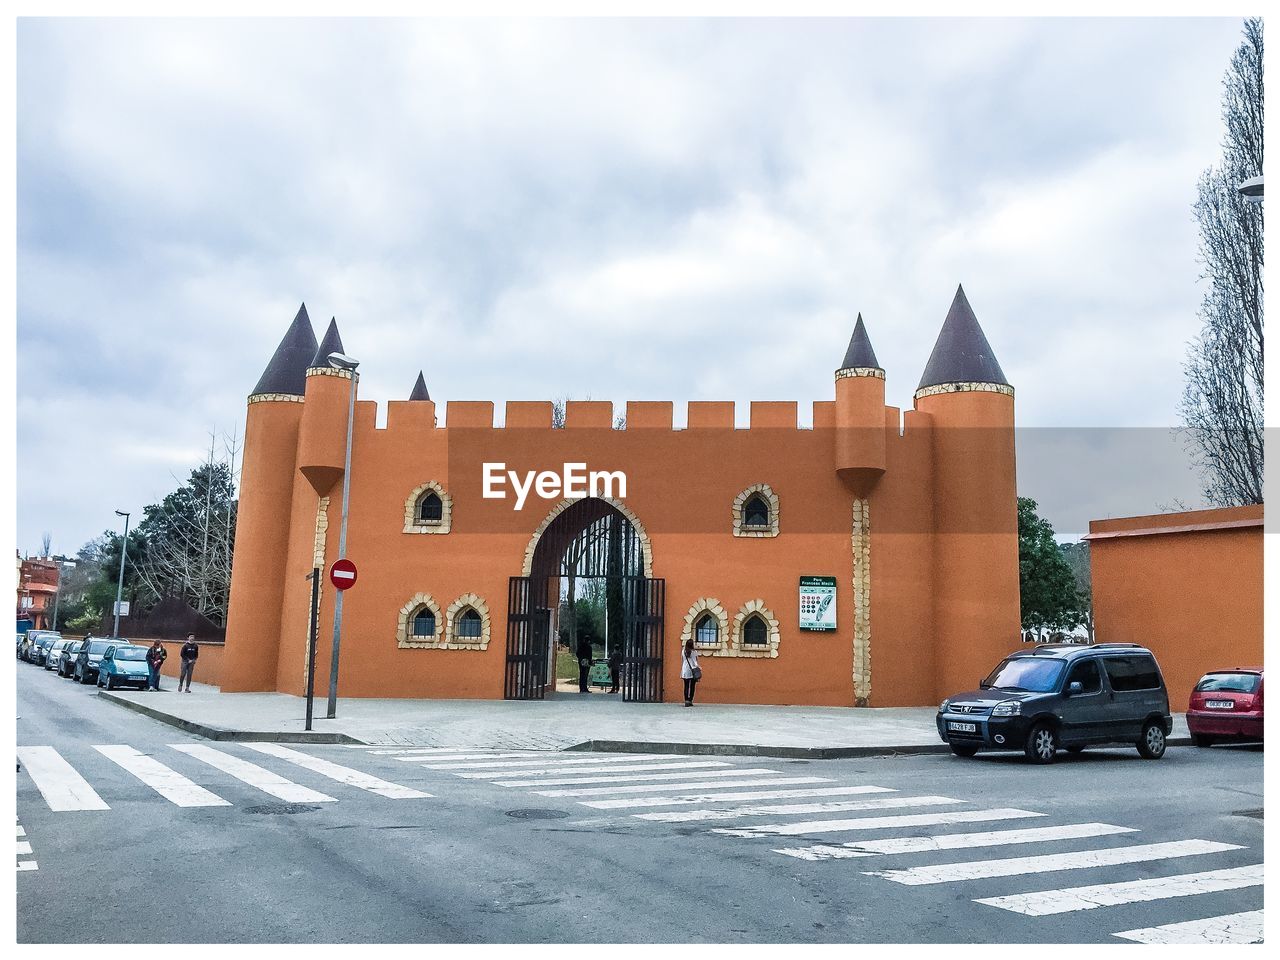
column 217, row 733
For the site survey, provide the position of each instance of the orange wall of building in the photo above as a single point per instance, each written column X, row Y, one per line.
column 1194, row 596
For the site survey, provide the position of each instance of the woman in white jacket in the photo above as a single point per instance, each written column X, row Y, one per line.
column 690, row 672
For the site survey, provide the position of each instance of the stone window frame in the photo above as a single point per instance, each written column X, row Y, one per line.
column 740, row 528
column 404, row 626
column 411, row 522
column 737, row 648
column 451, row 639
column 712, row 606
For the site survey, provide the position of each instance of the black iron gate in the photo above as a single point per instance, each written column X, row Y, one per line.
column 528, row 633
column 643, row 603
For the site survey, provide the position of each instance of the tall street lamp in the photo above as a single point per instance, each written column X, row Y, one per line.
column 1251, row 189
column 341, row 362
column 124, row 548
column 57, row 596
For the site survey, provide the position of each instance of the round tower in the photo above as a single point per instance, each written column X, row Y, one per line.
column 322, row 441
column 970, row 405
column 268, row 466
column 860, row 415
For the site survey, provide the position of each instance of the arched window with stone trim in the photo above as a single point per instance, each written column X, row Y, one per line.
column 755, row 512
column 755, row 632
column 419, row 624
column 467, row 623
column 706, row 632
column 424, row 623
column 707, row 625
column 428, row 509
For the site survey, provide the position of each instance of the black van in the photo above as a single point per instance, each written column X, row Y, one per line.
column 1062, row 696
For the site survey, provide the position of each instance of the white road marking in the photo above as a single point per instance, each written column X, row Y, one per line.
column 833, row 806
column 952, row 841
column 875, row 823
column 23, row 847
column 1071, row 899
column 254, row 775
column 1232, row 928
column 21, row 831
column 353, row 778
column 696, row 798
column 497, row 766
column 593, row 771
column 1051, row 862
column 417, row 756
column 165, row 781
column 59, row 784
column 652, row 787
column 633, row 777
column 28, row 865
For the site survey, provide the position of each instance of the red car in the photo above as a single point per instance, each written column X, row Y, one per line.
column 1226, row 705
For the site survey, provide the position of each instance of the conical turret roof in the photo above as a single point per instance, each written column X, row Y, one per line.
column 860, row 353
column 330, row 343
column 420, row 389
column 962, row 354
column 287, row 370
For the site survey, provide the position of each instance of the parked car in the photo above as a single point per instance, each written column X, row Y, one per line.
column 40, row 646
column 67, row 658
column 1062, row 696
column 54, row 651
column 90, row 656
column 123, row 663
column 1226, row 705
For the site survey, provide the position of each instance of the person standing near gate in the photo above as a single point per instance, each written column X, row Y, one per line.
column 584, row 663
column 690, row 672
column 190, row 653
column 615, row 665
column 155, row 660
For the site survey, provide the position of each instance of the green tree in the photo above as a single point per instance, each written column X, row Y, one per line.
column 1077, row 557
column 1049, row 600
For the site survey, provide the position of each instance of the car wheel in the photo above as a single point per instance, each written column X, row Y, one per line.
column 1075, row 748
column 111, row 683
column 963, row 749
column 1151, row 743
column 1200, row 740
column 1042, row 744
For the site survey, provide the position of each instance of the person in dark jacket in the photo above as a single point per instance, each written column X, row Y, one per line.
column 615, row 667
column 155, row 660
column 584, row 663
column 190, row 653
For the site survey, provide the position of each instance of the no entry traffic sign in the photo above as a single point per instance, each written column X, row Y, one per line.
column 343, row 574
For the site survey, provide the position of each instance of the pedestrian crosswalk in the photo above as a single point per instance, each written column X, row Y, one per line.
column 26, row 860
column 752, row 802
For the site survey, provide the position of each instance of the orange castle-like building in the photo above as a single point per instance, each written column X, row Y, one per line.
column 871, row 559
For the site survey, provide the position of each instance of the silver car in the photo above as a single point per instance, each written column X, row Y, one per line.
column 54, row 653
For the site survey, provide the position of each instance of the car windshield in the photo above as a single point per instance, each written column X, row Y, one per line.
column 1027, row 674
column 131, row 653
column 1230, row 683
column 98, row 646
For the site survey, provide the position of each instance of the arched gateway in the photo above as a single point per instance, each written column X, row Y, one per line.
column 580, row 539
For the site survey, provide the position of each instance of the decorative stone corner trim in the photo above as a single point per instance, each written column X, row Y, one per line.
column 317, row 563
column 861, row 602
column 712, row 606
column 328, row 372
column 404, row 624
column 740, row 528
column 860, row 372
column 968, row 387
column 646, row 549
column 451, row 640
column 738, row 648
column 278, row 397
column 411, row 522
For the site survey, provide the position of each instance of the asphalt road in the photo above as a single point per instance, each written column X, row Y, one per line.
column 490, row 857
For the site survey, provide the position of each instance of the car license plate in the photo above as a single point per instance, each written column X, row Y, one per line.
column 962, row 727
column 1219, row 704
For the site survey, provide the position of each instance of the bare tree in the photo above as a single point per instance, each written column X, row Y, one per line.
column 1222, row 400
column 46, row 544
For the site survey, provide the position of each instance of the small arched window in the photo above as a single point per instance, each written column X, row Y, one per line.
column 424, row 623
column 755, row 632
column 755, row 512
column 469, row 624
column 707, row 630
column 430, row 508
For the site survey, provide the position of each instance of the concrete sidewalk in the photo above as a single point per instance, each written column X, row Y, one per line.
column 593, row 721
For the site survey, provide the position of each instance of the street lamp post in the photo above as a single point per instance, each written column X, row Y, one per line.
column 342, row 362
column 124, row 548
column 1251, row 189
column 57, row 596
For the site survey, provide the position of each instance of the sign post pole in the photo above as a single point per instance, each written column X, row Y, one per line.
column 314, row 577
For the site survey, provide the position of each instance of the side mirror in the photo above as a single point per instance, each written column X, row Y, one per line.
column 1075, row 688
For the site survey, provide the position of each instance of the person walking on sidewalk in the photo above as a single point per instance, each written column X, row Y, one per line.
column 615, row 666
column 155, row 660
column 690, row 672
column 584, row 663
column 190, row 653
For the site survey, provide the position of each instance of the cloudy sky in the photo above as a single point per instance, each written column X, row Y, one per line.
column 614, row 209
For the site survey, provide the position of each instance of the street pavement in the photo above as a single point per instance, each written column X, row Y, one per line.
column 133, row 832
